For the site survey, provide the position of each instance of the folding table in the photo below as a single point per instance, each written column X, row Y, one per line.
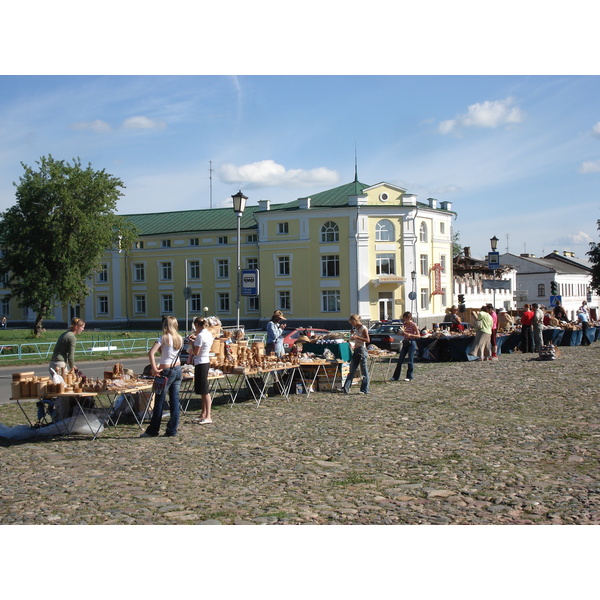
column 381, row 364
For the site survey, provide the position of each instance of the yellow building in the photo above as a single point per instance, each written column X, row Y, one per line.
column 367, row 249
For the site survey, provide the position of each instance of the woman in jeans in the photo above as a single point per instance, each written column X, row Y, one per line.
column 411, row 333
column 169, row 345
column 360, row 336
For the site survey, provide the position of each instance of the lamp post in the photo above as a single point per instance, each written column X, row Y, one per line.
column 494, row 243
column 239, row 204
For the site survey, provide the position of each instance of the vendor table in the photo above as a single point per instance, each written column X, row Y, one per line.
column 310, row 371
column 572, row 337
column 127, row 395
column 214, row 384
column 341, row 351
column 381, row 364
column 258, row 382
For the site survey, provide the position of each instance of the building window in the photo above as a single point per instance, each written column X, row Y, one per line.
column 139, row 304
column 252, row 303
column 423, row 232
column 252, row 263
column 194, row 269
column 284, row 301
column 330, row 301
column 166, row 271
column 442, row 227
column 223, row 268
column 196, row 303
column 165, row 243
column 330, row 232
column 283, row 266
column 443, row 262
column 194, row 242
column 166, row 304
column 5, row 306
column 139, row 272
column 252, row 238
column 384, row 231
column 102, row 305
column 222, row 239
column 139, row 245
column 424, row 298
column 444, row 298
column 103, row 273
column 424, row 264
column 283, row 228
column 223, row 302
column 385, row 264
column 330, row 266
column 541, row 290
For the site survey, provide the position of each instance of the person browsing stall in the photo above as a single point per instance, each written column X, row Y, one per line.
column 169, row 345
column 63, row 356
column 275, row 328
column 200, row 357
column 359, row 334
column 411, row 334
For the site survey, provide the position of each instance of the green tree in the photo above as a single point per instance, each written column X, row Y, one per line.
column 457, row 249
column 53, row 238
column 594, row 255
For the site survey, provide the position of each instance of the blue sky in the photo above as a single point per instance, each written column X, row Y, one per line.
column 497, row 114
column 518, row 156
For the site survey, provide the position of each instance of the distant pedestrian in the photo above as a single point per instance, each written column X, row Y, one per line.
column 527, row 329
column 3, row 321
column 481, row 343
column 493, row 338
column 275, row 329
column 538, row 325
column 200, row 357
column 583, row 319
column 359, row 334
column 411, row 334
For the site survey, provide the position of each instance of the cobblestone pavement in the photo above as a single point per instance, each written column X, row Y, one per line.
column 515, row 441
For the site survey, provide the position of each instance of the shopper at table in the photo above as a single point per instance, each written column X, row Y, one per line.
column 538, row 325
column 527, row 329
column 411, row 334
column 560, row 313
column 169, row 345
column 200, row 357
column 483, row 326
column 359, row 334
column 275, row 329
column 584, row 321
column 63, row 356
column 493, row 339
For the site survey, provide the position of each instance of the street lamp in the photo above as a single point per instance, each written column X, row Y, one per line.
column 494, row 243
column 239, row 204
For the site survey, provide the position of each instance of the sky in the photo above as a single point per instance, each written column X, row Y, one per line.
column 518, row 156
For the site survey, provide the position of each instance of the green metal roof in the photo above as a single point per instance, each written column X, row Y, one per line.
column 218, row 219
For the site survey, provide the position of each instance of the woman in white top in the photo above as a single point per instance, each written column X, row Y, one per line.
column 169, row 344
column 200, row 355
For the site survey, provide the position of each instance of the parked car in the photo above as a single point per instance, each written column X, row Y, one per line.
column 292, row 336
column 387, row 337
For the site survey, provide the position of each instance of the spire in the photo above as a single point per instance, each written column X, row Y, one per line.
column 355, row 165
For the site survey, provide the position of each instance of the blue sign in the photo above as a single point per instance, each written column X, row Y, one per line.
column 554, row 300
column 493, row 260
column 250, row 281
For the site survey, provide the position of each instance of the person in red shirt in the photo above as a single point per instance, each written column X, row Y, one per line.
column 526, row 329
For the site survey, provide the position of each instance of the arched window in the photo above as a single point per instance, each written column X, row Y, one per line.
column 384, row 231
column 423, row 232
column 330, row 232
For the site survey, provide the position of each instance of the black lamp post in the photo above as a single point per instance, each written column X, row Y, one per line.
column 494, row 243
column 239, row 205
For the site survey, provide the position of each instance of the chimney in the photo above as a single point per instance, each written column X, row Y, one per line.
column 409, row 200
column 264, row 205
column 467, row 251
column 304, row 203
column 432, row 202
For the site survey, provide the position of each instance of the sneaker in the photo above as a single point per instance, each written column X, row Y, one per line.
column 393, row 379
column 361, row 392
column 146, row 434
column 407, row 379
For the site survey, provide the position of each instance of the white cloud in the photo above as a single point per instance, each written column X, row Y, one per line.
column 268, row 173
column 590, row 166
column 488, row 114
column 573, row 239
column 143, row 123
column 596, row 129
column 97, row 126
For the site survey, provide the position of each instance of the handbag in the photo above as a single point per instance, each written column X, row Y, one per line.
column 160, row 381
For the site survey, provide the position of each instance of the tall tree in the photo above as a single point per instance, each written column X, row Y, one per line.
column 53, row 238
column 594, row 255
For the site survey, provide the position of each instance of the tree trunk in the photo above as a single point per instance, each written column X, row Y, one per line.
column 37, row 327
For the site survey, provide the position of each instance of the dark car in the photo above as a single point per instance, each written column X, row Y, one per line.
column 292, row 336
column 386, row 337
